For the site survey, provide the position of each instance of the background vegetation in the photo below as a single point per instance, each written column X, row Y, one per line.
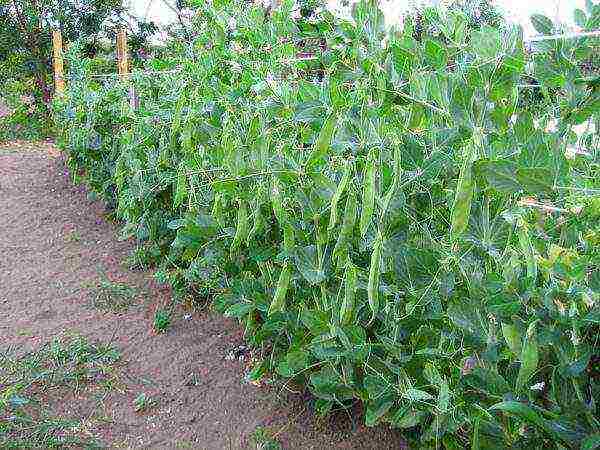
column 405, row 218
column 26, row 52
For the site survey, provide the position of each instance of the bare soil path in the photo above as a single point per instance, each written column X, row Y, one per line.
column 55, row 246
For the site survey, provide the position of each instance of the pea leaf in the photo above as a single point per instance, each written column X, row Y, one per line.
column 508, row 176
column 308, row 266
column 542, row 24
column 408, row 418
column 376, row 409
column 523, row 412
column 591, row 442
column 520, row 410
column 417, row 395
column 435, row 53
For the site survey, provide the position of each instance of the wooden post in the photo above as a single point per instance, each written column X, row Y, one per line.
column 59, row 81
column 123, row 64
column 122, row 55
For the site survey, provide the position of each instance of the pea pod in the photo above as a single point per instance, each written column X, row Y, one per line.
column 350, row 213
column 283, row 219
column 527, row 249
column 529, row 358
column 241, row 229
column 258, row 224
column 347, row 308
column 323, row 142
column 254, row 128
column 512, row 337
column 181, row 186
column 374, row 272
column 461, row 208
column 396, row 179
column 278, row 302
column 217, row 209
column 277, row 203
column 289, row 239
column 336, row 196
column 368, row 203
column 176, row 123
column 187, row 137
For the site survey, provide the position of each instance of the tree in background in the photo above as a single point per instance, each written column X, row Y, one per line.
column 26, row 44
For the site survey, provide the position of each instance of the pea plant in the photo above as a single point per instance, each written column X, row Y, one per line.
column 408, row 220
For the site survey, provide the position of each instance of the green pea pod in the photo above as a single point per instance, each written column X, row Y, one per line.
column 374, row 272
column 289, row 239
column 323, row 142
column 278, row 302
column 529, row 358
column 277, row 203
column 180, row 187
column 258, row 224
column 347, row 308
column 336, row 196
column 254, row 128
column 241, row 231
column 395, row 181
column 461, row 208
column 217, row 209
column 512, row 337
column 368, row 204
column 186, row 140
column 176, row 123
column 187, row 135
column 348, row 222
column 283, row 219
column 528, row 251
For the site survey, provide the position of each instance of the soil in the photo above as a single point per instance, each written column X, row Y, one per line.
column 56, row 243
column 4, row 110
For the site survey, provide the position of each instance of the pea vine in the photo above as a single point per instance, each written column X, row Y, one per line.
column 409, row 220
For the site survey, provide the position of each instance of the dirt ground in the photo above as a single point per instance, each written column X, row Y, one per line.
column 54, row 244
column 4, row 110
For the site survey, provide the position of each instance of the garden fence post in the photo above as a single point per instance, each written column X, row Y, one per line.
column 123, row 64
column 57, row 44
column 122, row 55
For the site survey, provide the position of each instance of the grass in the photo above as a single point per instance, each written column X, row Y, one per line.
column 265, row 440
column 143, row 402
column 112, row 296
column 162, row 320
column 65, row 363
column 73, row 236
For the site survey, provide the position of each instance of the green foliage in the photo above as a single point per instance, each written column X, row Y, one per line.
column 65, row 362
column 389, row 220
column 143, row 402
column 112, row 296
column 162, row 320
column 263, row 440
column 26, row 52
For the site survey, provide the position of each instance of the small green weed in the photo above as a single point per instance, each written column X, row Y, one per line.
column 264, row 440
column 143, row 402
column 144, row 257
column 65, row 362
column 162, row 320
column 73, row 236
column 112, row 296
column 186, row 444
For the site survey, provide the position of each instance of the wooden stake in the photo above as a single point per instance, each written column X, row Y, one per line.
column 123, row 64
column 59, row 81
column 122, row 54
